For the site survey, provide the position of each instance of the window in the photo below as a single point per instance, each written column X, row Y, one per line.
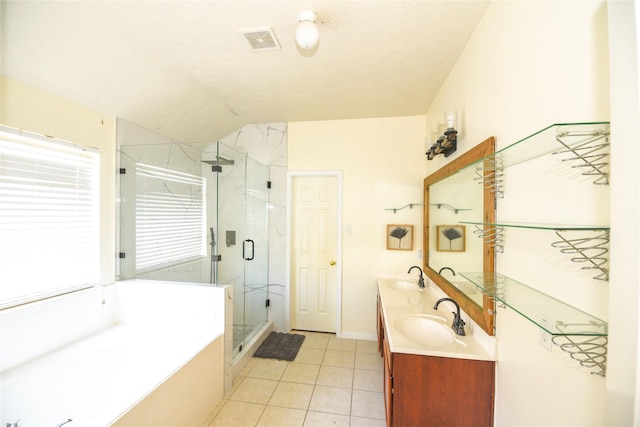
column 49, row 217
column 170, row 217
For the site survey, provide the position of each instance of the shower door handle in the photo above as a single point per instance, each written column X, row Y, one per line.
column 253, row 249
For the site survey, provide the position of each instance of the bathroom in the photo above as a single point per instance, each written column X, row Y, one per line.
column 491, row 86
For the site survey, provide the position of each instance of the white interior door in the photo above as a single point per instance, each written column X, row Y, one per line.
column 314, row 270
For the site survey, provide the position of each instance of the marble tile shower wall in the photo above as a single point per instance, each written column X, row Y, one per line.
column 267, row 143
column 36, row 329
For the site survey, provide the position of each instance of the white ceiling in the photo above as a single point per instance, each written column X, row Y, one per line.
column 183, row 68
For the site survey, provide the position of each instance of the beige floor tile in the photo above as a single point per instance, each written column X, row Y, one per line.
column 301, row 373
column 331, row 399
column 234, row 387
column 341, row 344
column 248, row 367
column 254, row 390
column 213, row 413
column 367, row 347
column 371, row 361
column 367, row 380
column 315, row 341
column 269, row 369
column 310, row 355
column 342, row 359
column 333, row 376
column 323, row 419
column 368, row 404
column 274, row 416
column 366, row 422
column 238, row 414
column 292, row 395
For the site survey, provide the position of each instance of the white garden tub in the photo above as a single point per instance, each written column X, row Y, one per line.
column 158, row 329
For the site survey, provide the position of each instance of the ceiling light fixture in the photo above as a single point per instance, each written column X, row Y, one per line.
column 307, row 33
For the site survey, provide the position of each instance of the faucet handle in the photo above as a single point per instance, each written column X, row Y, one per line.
column 458, row 324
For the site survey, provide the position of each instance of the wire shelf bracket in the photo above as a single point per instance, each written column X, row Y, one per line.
column 590, row 250
column 491, row 234
column 490, row 173
column 589, row 351
column 590, row 153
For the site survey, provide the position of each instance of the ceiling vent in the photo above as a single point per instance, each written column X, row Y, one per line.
column 261, row 39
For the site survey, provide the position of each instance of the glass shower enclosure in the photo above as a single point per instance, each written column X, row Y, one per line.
column 240, row 189
column 223, row 189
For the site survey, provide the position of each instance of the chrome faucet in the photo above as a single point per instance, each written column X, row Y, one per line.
column 447, row 268
column 458, row 323
column 420, row 279
column 16, row 424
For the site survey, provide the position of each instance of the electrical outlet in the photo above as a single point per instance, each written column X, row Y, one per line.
column 545, row 337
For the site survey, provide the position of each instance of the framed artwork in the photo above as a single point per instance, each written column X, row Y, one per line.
column 451, row 238
column 400, row 237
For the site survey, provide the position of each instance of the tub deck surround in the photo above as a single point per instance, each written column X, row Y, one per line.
column 158, row 328
column 397, row 303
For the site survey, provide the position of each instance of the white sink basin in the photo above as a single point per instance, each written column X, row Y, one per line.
column 402, row 285
column 426, row 330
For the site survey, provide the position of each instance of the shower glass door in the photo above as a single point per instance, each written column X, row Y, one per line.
column 256, row 247
column 242, row 230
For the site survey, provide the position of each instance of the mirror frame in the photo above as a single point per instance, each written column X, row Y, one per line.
column 483, row 316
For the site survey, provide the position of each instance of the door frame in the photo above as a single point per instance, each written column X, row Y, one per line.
column 291, row 175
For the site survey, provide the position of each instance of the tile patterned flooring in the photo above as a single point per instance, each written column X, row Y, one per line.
column 332, row 382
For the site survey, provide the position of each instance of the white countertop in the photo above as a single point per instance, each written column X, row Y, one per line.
column 397, row 303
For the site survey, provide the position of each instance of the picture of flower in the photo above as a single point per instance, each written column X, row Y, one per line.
column 400, row 237
column 451, row 238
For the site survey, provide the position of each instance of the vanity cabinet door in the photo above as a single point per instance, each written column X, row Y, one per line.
column 388, row 382
column 435, row 391
column 380, row 325
column 442, row 391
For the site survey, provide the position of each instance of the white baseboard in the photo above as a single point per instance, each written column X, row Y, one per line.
column 358, row 336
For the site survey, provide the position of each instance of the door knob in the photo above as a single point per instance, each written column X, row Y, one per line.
column 332, row 262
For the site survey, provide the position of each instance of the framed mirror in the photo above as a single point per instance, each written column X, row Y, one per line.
column 453, row 198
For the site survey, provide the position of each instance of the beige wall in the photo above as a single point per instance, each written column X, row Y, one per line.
column 382, row 161
column 530, row 64
column 33, row 110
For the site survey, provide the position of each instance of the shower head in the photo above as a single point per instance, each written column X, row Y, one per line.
column 219, row 161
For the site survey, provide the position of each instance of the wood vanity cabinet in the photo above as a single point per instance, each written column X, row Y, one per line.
column 435, row 391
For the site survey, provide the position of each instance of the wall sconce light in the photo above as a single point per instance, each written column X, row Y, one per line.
column 447, row 142
column 307, row 34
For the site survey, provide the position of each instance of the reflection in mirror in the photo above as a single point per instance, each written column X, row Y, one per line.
column 453, row 195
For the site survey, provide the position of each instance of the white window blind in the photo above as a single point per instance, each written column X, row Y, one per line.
column 170, row 217
column 49, row 216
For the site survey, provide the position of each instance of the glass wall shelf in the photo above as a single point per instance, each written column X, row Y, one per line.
column 447, row 206
column 590, row 248
column 541, row 226
column 548, row 313
column 586, row 143
column 410, row 206
column 546, row 141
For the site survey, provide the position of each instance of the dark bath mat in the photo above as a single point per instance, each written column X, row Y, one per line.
column 281, row 346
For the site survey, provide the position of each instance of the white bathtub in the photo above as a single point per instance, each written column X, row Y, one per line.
column 158, row 329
